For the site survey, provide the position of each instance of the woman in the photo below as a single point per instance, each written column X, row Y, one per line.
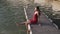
column 34, row 20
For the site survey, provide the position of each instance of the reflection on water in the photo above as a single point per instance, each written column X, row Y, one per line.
column 9, row 15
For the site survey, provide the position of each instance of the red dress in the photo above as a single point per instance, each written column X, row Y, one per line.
column 34, row 20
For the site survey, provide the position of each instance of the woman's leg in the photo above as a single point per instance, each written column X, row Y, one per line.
column 23, row 23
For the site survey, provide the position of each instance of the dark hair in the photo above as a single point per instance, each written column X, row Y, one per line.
column 38, row 9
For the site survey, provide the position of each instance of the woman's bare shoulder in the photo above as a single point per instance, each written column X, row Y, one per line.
column 36, row 12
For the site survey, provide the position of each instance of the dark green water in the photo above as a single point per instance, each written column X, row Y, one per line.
column 9, row 15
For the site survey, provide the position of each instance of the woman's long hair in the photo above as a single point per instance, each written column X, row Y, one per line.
column 38, row 9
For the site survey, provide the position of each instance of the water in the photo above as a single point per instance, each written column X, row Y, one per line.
column 9, row 15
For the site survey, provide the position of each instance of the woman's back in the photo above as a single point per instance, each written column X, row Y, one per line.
column 35, row 18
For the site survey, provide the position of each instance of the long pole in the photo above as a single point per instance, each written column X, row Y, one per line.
column 28, row 26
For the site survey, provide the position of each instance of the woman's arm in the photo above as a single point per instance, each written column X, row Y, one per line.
column 36, row 13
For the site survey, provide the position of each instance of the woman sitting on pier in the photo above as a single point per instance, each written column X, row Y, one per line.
column 34, row 20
